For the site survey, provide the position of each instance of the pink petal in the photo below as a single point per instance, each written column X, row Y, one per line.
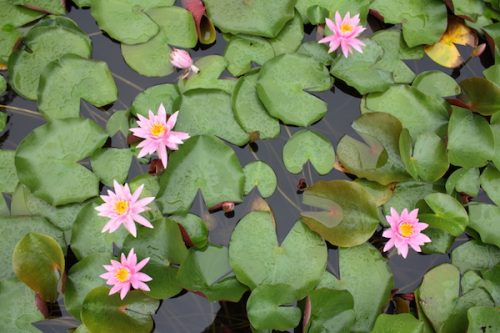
column 141, row 264
column 172, row 120
column 137, row 193
column 389, row 245
column 142, row 221
column 125, row 290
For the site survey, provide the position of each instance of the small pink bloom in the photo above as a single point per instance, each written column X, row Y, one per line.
column 405, row 230
column 181, row 59
column 122, row 275
column 123, row 207
column 158, row 135
column 344, row 34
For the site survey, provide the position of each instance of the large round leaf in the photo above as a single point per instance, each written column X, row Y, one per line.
column 16, row 15
column 257, row 17
column 259, row 174
column 449, row 215
column 289, row 38
column 194, row 228
column 331, row 311
column 377, row 159
column 38, row 261
column 483, row 319
column 71, row 78
column 348, row 215
column 151, row 99
column 481, row 95
column 209, row 112
column 211, row 68
column 356, row 264
column 342, row 6
column 46, row 42
column 283, row 85
column 127, row 20
column 475, row 256
column 9, row 37
column 56, row 7
column 257, row 258
column 108, row 314
column 242, row 51
column 436, row 83
column 484, row 219
column 8, row 176
column 111, row 164
column 490, row 182
column 464, row 181
column 398, row 323
column 202, row 163
column 48, row 157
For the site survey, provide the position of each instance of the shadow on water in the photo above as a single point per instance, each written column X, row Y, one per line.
column 189, row 312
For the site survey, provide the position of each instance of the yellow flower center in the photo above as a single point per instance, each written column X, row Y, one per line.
column 157, row 129
column 122, row 274
column 346, row 28
column 406, row 229
column 121, row 207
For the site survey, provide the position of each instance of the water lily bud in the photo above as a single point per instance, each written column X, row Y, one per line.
column 181, row 59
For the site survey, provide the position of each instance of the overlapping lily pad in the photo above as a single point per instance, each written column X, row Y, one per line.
column 56, row 7
column 242, row 52
column 331, row 311
column 259, row 174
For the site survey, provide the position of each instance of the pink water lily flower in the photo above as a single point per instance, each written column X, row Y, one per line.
column 123, row 207
column 125, row 274
column 344, row 34
column 181, row 59
column 158, row 134
column 405, row 229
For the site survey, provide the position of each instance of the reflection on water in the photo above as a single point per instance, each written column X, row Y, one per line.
column 189, row 312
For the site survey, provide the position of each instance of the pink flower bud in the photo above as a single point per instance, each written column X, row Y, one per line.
column 181, row 59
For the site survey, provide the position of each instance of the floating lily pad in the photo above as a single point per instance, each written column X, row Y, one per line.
column 495, row 128
column 19, row 310
column 9, row 37
column 195, row 228
column 410, row 195
column 403, row 322
column 108, row 314
column 483, row 319
column 118, row 122
column 381, row 193
column 484, row 220
column 211, row 68
column 370, row 299
column 441, row 241
column 342, row 6
column 71, row 78
column 243, row 51
column 257, row 258
column 378, row 159
column 467, row 8
column 82, row 278
column 153, row 97
column 289, row 38
column 187, row 173
column 259, row 174
column 317, row 51
column 127, row 20
column 38, row 261
column 475, row 256
column 470, row 139
column 423, row 21
column 82, row 3
column 493, row 74
column 481, row 95
column 270, row 307
column 250, row 17
column 8, row 176
column 56, row 7
column 490, row 182
column 464, row 181
column 167, row 251
column 449, row 215
column 111, row 164
column 17, row 16
column 331, row 311
column 283, row 85
column 436, row 83
column 48, row 157
column 49, row 40
column 350, row 214
column 249, row 111
column 306, row 145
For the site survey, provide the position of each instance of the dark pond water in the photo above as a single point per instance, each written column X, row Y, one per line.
column 188, row 312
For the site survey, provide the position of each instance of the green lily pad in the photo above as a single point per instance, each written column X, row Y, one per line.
column 317, row 51
column 289, row 38
column 48, row 157
column 484, row 220
column 82, row 278
column 166, row 249
column 423, row 21
column 490, row 182
column 427, row 159
column 111, row 164
column 38, row 261
column 209, row 112
column 441, row 241
column 436, row 83
column 8, row 176
column 211, row 68
column 493, row 74
column 403, row 322
column 18, row 307
column 470, row 139
column 449, row 215
column 243, row 51
column 56, row 7
column 349, row 213
column 17, row 227
column 410, row 195
column 381, row 193
column 439, row 292
column 259, row 174
column 249, row 111
column 9, row 37
column 481, row 95
column 108, row 314
column 250, row 17
column 196, row 229
column 151, row 98
column 268, row 307
column 417, row 112
column 71, row 78
column 283, row 85
column 257, row 258
column 209, row 272
column 331, row 311
column 187, row 173
column 342, row 6
column 82, row 3
column 150, row 182
column 4, row 209
column 370, row 299
column 483, row 319
column 467, row 8
column 49, row 40
column 118, row 122
column 306, row 145
column 475, row 256
column 495, row 128
column 17, row 16
column 464, row 181
column 127, row 20
column 177, row 24
column 378, row 159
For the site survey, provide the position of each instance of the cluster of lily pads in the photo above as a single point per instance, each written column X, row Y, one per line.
column 429, row 146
